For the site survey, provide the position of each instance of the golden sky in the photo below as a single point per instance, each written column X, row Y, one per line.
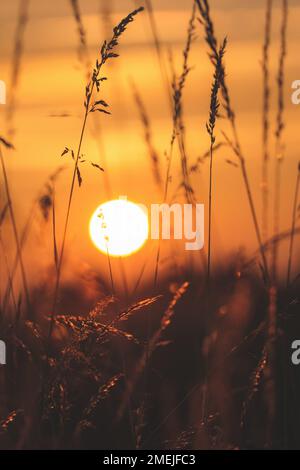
column 52, row 81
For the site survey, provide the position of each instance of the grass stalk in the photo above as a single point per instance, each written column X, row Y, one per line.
column 84, row 58
column 265, row 120
column 279, row 149
column 159, row 52
column 178, row 124
column 270, row 369
column 83, row 49
column 210, row 38
column 293, row 227
column 178, row 129
column 9, row 276
column 16, row 63
column 26, row 229
column 15, row 230
column 153, row 154
column 214, row 107
column 96, row 80
column 55, row 251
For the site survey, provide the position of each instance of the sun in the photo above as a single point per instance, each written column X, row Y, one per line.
column 119, row 227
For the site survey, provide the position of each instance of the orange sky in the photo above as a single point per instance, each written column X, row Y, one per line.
column 52, row 82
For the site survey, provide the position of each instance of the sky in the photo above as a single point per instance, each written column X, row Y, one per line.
column 49, row 109
column 52, row 23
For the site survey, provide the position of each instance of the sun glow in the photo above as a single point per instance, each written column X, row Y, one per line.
column 119, row 227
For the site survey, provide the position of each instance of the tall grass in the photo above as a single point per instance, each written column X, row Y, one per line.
column 14, row 225
column 18, row 51
column 107, row 53
column 45, row 194
column 265, row 119
column 84, row 58
column 279, row 146
column 293, row 228
column 178, row 123
column 91, row 398
column 210, row 126
column 178, row 132
column 148, row 138
column 270, row 371
column 213, row 113
column 159, row 50
column 153, row 342
column 6, row 261
column 204, row 10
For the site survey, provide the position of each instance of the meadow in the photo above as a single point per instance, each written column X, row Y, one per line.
column 167, row 348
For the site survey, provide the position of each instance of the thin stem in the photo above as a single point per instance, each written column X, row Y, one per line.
column 177, row 130
column 60, row 260
column 208, row 271
column 106, row 53
column 270, row 377
column 292, row 237
column 254, row 217
column 156, row 265
column 8, row 273
column 237, row 150
column 16, row 261
column 54, row 230
column 15, row 230
column 276, row 228
column 18, row 49
column 265, row 120
column 157, row 44
column 209, row 218
column 212, row 42
column 279, row 130
column 110, row 273
column 84, row 58
column 164, row 200
column 250, row 200
column 23, row 238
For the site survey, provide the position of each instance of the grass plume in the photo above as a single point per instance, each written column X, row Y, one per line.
column 210, row 38
column 84, row 58
column 178, row 125
column 279, row 146
column 106, row 53
column 213, row 113
column 265, row 119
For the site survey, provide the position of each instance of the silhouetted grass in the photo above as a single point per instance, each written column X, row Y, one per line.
column 111, row 382
column 265, row 119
